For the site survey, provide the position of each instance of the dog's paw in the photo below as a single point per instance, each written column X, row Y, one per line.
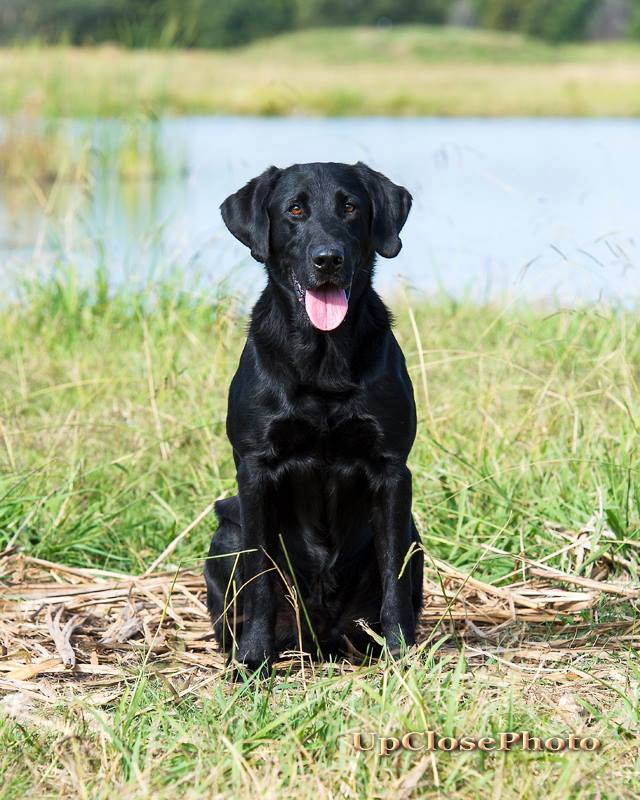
column 398, row 640
column 252, row 660
column 239, row 671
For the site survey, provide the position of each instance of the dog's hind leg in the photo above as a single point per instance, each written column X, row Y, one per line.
column 223, row 574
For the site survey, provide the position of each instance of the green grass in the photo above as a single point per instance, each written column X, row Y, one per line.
column 112, row 407
column 403, row 71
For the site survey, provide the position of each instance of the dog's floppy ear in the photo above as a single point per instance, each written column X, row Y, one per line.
column 245, row 213
column 391, row 205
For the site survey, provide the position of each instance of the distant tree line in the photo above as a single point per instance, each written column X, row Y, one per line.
column 223, row 23
column 562, row 20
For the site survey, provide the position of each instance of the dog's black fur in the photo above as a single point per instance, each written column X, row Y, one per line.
column 321, row 424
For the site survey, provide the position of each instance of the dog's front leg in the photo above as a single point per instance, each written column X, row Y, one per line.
column 392, row 531
column 255, row 647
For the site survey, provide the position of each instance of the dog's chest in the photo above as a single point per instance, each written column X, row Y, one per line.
column 324, row 437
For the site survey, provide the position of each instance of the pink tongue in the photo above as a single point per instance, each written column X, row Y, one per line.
column 326, row 307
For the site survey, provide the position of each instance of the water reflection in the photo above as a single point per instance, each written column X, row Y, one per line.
column 528, row 208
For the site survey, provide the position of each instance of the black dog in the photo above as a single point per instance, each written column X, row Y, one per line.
column 322, row 418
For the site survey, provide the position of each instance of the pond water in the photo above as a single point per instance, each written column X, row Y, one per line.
column 519, row 208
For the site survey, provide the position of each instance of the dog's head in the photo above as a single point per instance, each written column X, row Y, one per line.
column 317, row 228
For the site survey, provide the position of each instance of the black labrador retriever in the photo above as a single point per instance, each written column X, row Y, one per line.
column 321, row 418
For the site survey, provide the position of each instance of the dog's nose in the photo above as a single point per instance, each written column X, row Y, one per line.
column 327, row 258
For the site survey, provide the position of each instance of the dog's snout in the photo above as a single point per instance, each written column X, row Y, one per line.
column 327, row 258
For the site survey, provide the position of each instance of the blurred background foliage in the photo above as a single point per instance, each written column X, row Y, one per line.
column 224, row 23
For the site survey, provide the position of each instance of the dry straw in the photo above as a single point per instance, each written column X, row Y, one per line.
column 66, row 630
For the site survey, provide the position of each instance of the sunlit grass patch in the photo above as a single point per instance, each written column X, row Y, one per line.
column 407, row 70
column 112, row 407
column 525, row 417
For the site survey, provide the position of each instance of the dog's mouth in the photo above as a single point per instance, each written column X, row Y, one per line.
column 326, row 305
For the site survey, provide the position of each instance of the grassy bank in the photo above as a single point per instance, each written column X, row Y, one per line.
column 112, row 440
column 404, row 71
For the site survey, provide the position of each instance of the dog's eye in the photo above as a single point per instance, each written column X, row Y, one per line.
column 295, row 210
column 349, row 208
